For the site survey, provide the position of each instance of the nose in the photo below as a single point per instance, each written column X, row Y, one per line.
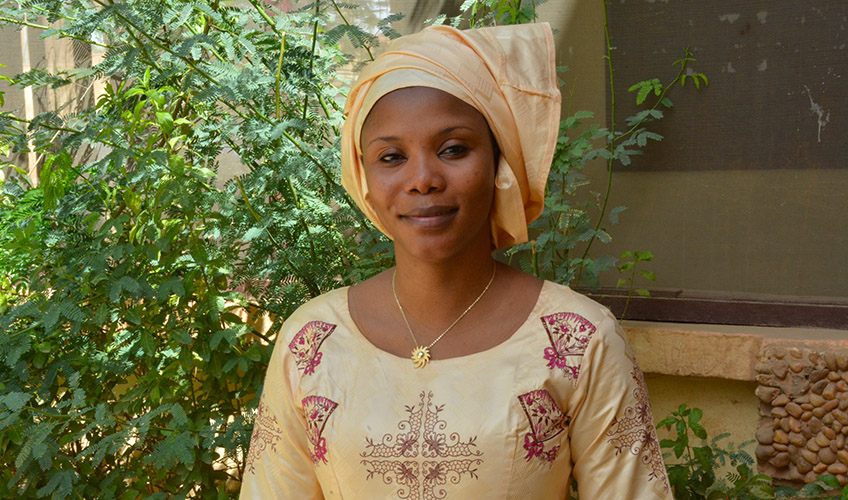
column 424, row 175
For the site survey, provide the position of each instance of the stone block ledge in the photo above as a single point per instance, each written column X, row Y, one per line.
column 720, row 351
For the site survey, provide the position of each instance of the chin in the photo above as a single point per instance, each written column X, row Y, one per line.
column 439, row 249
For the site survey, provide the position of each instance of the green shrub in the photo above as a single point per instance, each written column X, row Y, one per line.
column 128, row 369
column 692, row 469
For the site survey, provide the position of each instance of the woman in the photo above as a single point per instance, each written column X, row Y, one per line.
column 453, row 376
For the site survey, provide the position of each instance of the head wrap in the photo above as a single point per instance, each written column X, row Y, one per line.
column 508, row 74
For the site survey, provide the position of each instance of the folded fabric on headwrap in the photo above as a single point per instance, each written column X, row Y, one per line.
column 508, row 74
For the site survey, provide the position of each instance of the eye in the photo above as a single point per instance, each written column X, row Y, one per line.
column 454, row 150
column 391, row 158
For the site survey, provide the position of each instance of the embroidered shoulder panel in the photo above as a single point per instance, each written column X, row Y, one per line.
column 306, row 344
column 317, row 410
column 266, row 433
column 634, row 432
column 546, row 422
column 444, row 457
column 569, row 334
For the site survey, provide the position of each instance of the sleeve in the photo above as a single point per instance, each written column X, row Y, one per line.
column 278, row 465
column 613, row 439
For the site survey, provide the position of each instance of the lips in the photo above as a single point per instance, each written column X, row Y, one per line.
column 430, row 216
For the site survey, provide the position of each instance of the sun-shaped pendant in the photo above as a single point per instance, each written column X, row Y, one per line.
column 420, row 356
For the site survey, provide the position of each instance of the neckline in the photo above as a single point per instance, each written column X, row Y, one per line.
column 360, row 337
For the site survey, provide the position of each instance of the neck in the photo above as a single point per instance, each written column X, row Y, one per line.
column 434, row 294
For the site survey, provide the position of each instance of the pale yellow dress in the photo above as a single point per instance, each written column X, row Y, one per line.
column 561, row 399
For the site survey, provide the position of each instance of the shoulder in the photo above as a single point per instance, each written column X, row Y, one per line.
column 577, row 325
column 304, row 334
column 556, row 298
column 329, row 308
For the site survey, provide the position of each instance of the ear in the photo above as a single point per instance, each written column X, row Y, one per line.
column 496, row 150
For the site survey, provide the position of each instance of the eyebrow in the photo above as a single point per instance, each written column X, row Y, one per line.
column 389, row 138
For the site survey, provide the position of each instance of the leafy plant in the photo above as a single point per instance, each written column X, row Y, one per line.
column 494, row 12
column 629, row 263
column 692, row 470
column 694, row 474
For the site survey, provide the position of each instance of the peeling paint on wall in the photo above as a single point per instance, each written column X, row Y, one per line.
column 818, row 110
column 759, row 57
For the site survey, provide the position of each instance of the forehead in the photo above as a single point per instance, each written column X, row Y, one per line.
column 415, row 107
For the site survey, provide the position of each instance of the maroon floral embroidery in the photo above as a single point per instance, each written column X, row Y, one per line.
column 306, row 343
column 448, row 457
column 266, row 433
column 546, row 422
column 317, row 410
column 569, row 334
column 635, row 433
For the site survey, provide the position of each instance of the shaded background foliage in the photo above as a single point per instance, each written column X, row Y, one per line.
column 128, row 369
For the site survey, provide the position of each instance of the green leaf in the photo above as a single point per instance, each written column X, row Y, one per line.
column 165, row 121
column 253, row 354
column 14, row 401
column 679, row 448
column 666, row 422
column 813, row 489
column 703, row 455
column 614, row 213
column 830, row 481
column 642, row 292
column 252, row 233
column 698, row 430
column 666, row 443
column 695, row 415
column 131, row 495
column 59, row 485
column 180, row 420
column 644, row 256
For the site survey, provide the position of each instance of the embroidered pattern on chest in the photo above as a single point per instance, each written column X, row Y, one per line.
column 569, row 334
column 634, row 432
column 266, row 433
column 306, row 343
column 317, row 410
column 546, row 422
column 445, row 457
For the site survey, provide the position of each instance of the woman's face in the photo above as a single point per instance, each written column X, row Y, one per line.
column 430, row 168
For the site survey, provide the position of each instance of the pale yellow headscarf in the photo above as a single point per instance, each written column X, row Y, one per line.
column 508, row 74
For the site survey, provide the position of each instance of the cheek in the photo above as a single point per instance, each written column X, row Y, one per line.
column 378, row 192
column 486, row 184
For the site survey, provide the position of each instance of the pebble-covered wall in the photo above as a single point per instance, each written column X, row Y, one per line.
column 803, row 428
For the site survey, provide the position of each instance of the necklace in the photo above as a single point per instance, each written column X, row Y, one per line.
column 421, row 354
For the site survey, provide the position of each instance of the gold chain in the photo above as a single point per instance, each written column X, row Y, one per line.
column 421, row 354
